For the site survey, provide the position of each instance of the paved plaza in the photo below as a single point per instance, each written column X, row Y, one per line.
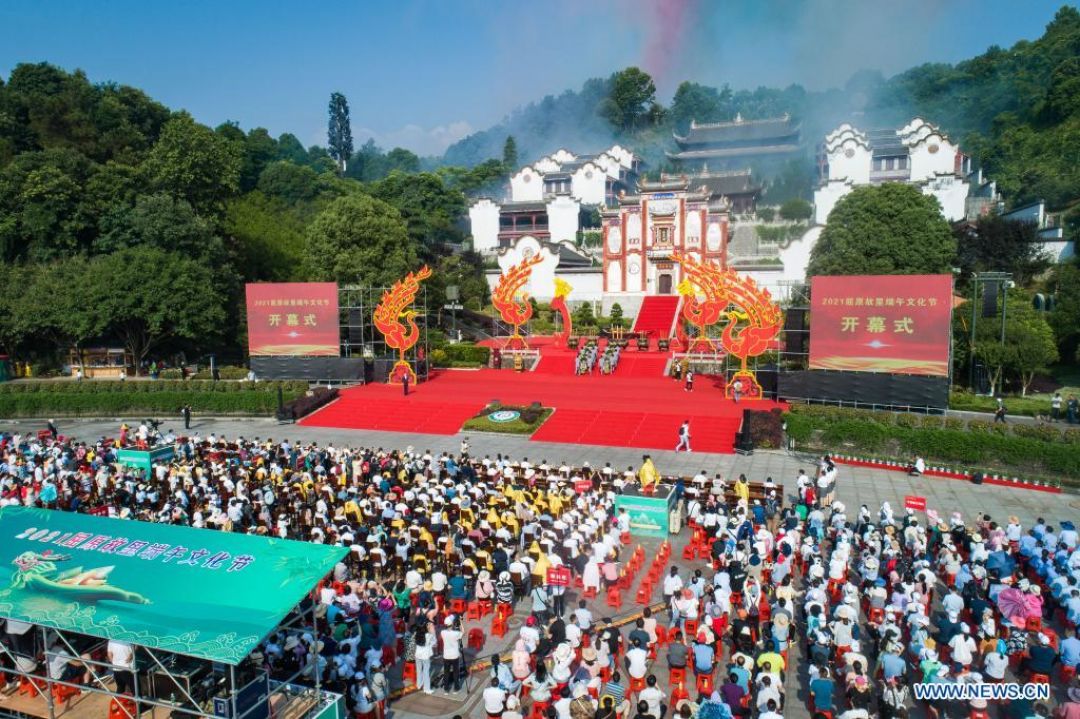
column 855, row 486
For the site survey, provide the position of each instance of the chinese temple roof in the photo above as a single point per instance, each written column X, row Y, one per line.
column 773, row 131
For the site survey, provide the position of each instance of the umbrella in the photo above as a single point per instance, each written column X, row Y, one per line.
column 1000, row 562
column 1013, row 604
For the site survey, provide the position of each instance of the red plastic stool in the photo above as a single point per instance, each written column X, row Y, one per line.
column 408, row 672
column 614, row 598
column 476, row 639
column 122, row 708
column 1067, row 673
column 1040, row 678
column 704, row 684
column 678, row 694
column 625, row 537
column 498, row 626
column 691, row 627
column 644, row 592
column 457, row 606
column 677, row 675
column 589, row 593
column 662, row 636
column 636, row 684
column 474, row 611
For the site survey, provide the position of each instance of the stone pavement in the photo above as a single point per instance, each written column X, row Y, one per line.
column 855, row 486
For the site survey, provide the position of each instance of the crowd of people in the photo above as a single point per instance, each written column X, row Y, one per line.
column 860, row 605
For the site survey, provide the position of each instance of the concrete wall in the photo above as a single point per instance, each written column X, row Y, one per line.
column 484, row 225
column 587, row 184
column 527, row 185
column 563, row 219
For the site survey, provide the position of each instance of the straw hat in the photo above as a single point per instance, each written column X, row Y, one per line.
column 781, row 620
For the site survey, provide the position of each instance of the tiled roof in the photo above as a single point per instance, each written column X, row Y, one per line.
column 766, row 131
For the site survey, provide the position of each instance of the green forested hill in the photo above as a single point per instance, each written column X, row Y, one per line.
column 1016, row 110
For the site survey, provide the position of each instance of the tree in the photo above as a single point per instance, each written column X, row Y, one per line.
column 631, row 98
column 889, row 229
column 796, row 210
column 67, row 303
column 617, row 315
column 358, row 239
column 160, row 221
column 510, row 153
column 193, row 163
column 339, row 132
column 402, row 160
column 429, row 208
column 699, row 102
column 290, row 149
column 583, row 316
column 155, row 296
column 1064, row 284
column 269, row 237
column 1029, row 341
column 291, row 182
column 259, row 151
column 997, row 244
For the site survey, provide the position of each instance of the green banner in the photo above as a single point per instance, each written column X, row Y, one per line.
column 648, row 515
column 203, row 593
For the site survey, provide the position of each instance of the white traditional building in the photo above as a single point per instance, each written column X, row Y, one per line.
column 918, row 154
column 541, row 214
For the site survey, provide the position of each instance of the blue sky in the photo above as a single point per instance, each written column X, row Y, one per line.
column 423, row 74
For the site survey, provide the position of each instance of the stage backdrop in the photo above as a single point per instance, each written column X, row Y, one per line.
column 881, row 323
column 293, row 319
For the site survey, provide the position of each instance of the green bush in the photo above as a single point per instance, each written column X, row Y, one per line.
column 164, row 397
column 224, row 372
column 467, row 353
column 439, row 358
column 1024, row 450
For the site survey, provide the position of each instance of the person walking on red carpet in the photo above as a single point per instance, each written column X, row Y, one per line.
column 684, row 437
column 689, row 380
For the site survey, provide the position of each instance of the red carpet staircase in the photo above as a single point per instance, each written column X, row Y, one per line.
column 657, row 316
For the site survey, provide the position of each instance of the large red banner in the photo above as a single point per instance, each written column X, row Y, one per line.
column 293, row 318
column 881, row 323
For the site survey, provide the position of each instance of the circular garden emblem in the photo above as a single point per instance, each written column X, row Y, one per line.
column 504, row 415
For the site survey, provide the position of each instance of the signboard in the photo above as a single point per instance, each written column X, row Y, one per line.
column 293, row 319
column 648, row 515
column 558, row 576
column 582, row 486
column 209, row 595
column 881, row 323
column 915, row 503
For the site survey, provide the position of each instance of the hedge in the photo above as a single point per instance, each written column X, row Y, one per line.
column 165, row 397
column 1012, row 448
column 467, row 353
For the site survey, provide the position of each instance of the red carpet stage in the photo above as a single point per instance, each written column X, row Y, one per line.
column 634, row 407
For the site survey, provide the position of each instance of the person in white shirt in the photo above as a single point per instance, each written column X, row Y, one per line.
column 425, row 650
column 451, row 655
column 122, row 657
column 653, row 697
column 494, row 700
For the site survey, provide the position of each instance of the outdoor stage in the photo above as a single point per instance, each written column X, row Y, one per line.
column 637, row 406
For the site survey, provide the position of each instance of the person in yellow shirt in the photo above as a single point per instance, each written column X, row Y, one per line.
column 647, row 475
column 742, row 490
